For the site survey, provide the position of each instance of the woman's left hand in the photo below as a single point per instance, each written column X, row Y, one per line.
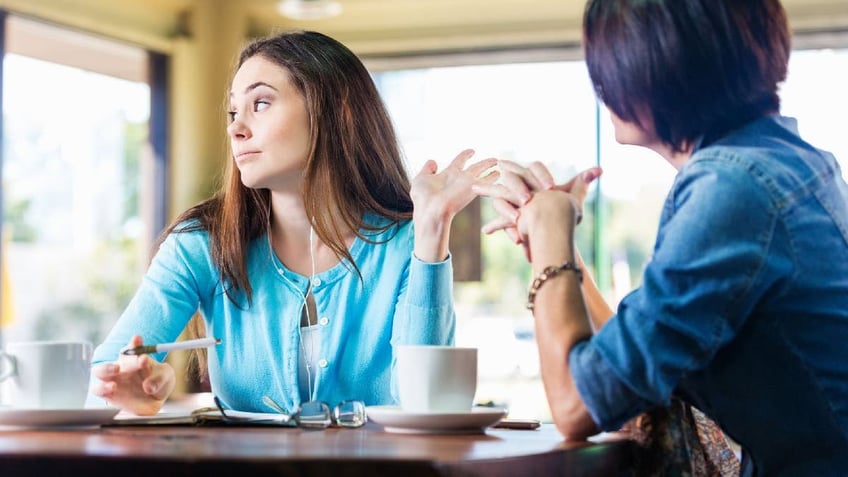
column 519, row 184
column 437, row 197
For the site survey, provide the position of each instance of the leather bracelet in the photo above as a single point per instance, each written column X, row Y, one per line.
column 550, row 272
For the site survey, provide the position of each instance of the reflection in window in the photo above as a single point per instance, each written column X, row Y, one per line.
column 72, row 234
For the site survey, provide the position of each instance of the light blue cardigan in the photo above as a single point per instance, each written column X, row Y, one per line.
column 399, row 299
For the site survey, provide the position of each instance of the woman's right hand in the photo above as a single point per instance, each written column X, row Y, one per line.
column 136, row 384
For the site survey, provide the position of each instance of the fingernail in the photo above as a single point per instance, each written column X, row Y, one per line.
column 591, row 175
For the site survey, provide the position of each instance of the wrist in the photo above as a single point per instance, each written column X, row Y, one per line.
column 548, row 273
column 432, row 237
column 550, row 207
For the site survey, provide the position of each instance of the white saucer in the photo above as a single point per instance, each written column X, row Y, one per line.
column 55, row 417
column 394, row 419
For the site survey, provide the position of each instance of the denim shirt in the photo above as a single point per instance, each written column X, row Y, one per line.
column 743, row 311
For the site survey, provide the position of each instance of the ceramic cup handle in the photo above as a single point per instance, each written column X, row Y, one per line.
column 7, row 365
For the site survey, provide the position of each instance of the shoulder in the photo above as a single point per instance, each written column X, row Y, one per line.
column 767, row 157
column 383, row 242
column 716, row 196
column 187, row 238
column 723, row 179
column 383, row 230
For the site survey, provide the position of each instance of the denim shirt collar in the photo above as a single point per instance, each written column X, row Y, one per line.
column 785, row 122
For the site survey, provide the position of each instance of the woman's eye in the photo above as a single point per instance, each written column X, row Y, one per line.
column 231, row 115
column 261, row 105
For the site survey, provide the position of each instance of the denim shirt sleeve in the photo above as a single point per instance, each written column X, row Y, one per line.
column 715, row 234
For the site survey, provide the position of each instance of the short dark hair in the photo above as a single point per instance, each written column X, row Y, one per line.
column 695, row 67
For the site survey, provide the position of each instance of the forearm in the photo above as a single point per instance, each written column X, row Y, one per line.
column 599, row 310
column 561, row 318
column 561, row 321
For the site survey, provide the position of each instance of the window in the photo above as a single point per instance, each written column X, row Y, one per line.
column 815, row 93
column 75, row 181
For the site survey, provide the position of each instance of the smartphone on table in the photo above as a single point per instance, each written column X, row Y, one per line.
column 526, row 424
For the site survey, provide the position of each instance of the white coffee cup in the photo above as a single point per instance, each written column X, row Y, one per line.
column 46, row 374
column 436, row 378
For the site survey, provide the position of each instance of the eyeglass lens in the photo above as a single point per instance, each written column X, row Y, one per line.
column 313, row 415
column 316, row 414
column 349, row 414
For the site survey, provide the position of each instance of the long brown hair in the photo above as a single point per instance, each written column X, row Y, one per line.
column 354, row 165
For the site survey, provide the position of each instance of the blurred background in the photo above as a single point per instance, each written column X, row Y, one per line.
column 113, row 123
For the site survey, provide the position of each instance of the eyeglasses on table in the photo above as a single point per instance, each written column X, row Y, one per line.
column 317, row 414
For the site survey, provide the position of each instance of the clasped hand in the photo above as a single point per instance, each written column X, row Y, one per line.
column 528, row 200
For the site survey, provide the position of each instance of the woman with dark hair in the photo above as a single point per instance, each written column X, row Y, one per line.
column 743, row 308
column 315, row 259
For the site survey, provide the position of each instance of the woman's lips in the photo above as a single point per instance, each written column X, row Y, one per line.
column 245, row 155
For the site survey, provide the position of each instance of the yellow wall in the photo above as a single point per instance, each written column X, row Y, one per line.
column 200, row 75
column 202, row 38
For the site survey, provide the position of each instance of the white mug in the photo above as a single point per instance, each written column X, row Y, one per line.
column 436, row 378
column 46, row 374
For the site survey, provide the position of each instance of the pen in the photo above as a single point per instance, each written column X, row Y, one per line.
column 162, row 347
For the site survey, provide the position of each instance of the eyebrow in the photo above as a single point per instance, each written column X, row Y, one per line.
column 255, row 85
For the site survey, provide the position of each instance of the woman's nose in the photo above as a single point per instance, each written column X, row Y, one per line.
column 238, row 130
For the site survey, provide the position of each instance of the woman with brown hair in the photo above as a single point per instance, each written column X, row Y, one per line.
column 316, row 258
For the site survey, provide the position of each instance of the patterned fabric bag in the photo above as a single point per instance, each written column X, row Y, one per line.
column 680, row 441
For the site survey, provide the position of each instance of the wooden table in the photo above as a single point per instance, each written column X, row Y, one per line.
column 258, row 452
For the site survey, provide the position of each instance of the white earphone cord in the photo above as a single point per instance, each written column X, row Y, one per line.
column 308, row 354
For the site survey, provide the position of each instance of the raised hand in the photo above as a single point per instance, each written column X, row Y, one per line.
column 438, row 196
